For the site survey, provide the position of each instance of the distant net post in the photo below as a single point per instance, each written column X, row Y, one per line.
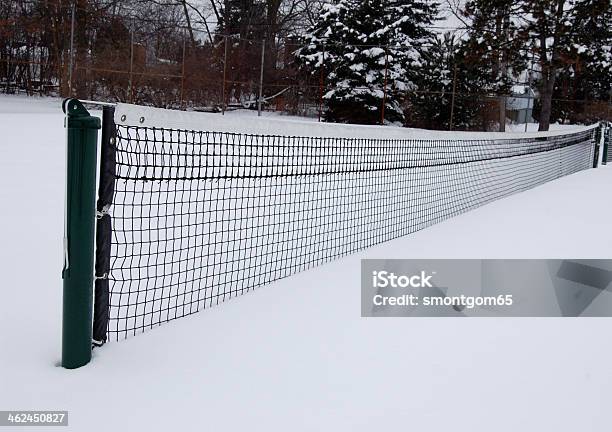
column 80, row 216
column 606, row 143
column 597, row 135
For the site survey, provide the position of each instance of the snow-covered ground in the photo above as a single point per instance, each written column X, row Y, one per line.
column 247, row 120
column 296, row 355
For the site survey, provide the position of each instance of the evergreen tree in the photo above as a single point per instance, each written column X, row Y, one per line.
column 443, row 72
column 242, row 19
column 368, row 51
column 493, row 53
column 242, row 22
column 547, row 31
column 569, row 40
column 429, row 106
column 587, row 66
column 493, row 49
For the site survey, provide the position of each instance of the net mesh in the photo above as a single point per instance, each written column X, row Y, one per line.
column 201, row 217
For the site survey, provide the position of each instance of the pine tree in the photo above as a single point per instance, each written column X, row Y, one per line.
column 367, row 49
column 588, row 66
column 242, row 23
column 443, row 72
column 547, row 31
column 242, row 19
column 593, row 22
column 492, row 46
column 430, row 106
column 493, row 52
column 569, row 40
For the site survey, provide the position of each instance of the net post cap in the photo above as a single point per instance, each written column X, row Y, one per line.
column 78, row 116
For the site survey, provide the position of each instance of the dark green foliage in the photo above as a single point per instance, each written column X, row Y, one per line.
column 367, row 50
column 583, row 86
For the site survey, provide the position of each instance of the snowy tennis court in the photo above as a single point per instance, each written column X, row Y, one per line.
column 295, row 355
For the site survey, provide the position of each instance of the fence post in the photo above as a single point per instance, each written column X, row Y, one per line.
column 384, row 101
column 8, row 70
column 183, row 72
column 80, row 216
column 606, row 143
column 261, row 74
column 71, row 60
column 529, row 101
column 130, row 84
column 223, row 104
column 452, row 113
column 502, row 113
column 321, row 83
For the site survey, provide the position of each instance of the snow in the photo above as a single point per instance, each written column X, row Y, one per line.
column 18, row 104
column 520, row 89
column 373, row 52
column 519, row 128
column 296, row 355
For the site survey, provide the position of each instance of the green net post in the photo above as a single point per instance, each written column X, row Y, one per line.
column 596, row 140
column 606, row 144
column 80, row 216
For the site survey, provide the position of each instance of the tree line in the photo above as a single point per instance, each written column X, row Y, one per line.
column 355, row 61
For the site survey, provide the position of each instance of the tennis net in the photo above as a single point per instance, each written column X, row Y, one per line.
column 191, row 218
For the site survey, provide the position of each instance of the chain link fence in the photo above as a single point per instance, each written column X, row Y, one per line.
column 138, row 61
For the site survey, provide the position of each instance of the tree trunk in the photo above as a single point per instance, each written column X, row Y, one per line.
column 549, row 66
column 53, row 24
column 189, row 27
column 546, row 101
column 272, row 10
column 502, row 113
column 81, row 45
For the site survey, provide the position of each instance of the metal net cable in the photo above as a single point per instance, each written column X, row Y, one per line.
column 201, row 217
